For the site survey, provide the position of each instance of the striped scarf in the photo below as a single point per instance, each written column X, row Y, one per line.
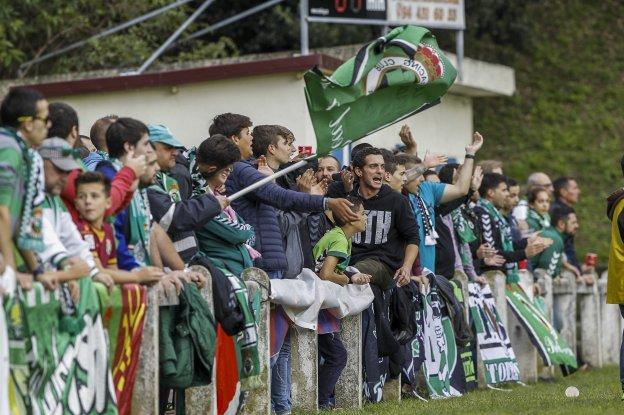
column 139, row 218
column 30, row 235
column 505, row 235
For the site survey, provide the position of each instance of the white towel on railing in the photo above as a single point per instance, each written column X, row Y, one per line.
column 304, row 296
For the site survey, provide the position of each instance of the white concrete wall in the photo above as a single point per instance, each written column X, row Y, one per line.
column 274, row 99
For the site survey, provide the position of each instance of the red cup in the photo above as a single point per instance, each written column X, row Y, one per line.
column 523, row 264
column 591, row 259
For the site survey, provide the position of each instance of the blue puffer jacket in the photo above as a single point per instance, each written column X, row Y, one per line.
column 258, row 209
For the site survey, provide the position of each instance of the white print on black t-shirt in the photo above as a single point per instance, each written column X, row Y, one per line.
column 378, row 223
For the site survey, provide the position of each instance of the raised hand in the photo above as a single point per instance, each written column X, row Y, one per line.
column 306, row 181
column 477, row 178
column 411, row 147
column 434, row 160
column 347, row 177
column 477, row 143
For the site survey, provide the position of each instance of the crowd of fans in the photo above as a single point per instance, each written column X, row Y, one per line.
column 130, row 204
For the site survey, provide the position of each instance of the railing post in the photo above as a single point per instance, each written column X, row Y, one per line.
column 259, row 400
column 349, row 387
column 545, row 283
column 392, row 390
column 591, row 345
column 203, row 399
column 564, row 308
column 611, row 322
column 146, row 384
column 497, row 280
column 526, row 353
column 304, row 363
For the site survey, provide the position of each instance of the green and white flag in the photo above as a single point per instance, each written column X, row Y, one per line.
column 390, row 79
column 58, row 366
column 494, row 345
column 549, row 343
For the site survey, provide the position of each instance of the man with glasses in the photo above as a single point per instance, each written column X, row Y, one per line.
column 179, row 216
column 24, row 114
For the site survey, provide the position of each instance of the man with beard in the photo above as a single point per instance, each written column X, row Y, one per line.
column 178, row 216
column 385, row 250
column 494, row 193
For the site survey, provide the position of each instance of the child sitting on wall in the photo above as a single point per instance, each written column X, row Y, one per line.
column 332, row 254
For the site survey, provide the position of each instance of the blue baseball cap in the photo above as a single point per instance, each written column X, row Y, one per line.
column 162, row 134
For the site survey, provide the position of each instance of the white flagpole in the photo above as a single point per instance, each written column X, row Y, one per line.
column 267, row 179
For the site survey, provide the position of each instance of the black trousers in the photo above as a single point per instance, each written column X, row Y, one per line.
column 332, row 360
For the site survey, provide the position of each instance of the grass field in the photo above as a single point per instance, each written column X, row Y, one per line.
column 599, row 394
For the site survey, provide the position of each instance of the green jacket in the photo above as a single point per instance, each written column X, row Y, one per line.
column 223, row 241
column 550, row 259
column 187, row 340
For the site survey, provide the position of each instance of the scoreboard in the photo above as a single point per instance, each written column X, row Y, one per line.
column 441, row 14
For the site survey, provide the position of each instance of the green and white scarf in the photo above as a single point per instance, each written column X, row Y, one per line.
column 463, row 227
column 29, row 233
column 505, row 236
column 167, row 184
column 139, row 218
column 542, row 220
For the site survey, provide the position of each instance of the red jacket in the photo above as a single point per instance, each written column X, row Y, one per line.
column 121, row 191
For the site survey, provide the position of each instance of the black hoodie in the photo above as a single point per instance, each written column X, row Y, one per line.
column 390, row 227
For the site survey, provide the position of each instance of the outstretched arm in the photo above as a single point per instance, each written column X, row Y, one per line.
column 460, row 188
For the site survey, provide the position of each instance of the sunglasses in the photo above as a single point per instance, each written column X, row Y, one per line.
column 25, row 118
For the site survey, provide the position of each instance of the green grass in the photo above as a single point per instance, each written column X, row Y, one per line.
column 599, row 394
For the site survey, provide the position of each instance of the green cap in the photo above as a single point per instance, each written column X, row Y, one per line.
column 162, row 134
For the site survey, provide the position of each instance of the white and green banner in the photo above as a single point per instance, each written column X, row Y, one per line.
column 549, row 343
column 439, row 347
column 494, row 345
column 59, row 363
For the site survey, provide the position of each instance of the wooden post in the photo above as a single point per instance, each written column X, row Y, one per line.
column 259, row 400
column 203, row 399
column 349, row 386
column 304, row 364
column 146, row 384
column 611, row 322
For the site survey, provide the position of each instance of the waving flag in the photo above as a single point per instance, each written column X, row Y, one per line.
column 390, row 79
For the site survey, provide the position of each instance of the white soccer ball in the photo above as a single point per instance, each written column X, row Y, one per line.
column 572, row 392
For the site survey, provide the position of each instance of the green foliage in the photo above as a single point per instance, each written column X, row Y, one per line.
column 34, row 27
column 564, row 118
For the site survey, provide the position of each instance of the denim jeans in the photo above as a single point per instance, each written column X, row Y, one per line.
column 281, row 379
column 275, row 275
column 332, row 361
column 622, row 352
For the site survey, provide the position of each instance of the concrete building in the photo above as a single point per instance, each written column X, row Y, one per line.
column 268, row 88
